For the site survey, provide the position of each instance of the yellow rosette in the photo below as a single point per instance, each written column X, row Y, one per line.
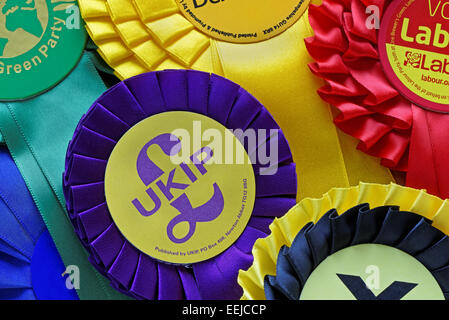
column 284, row 230
column 137, row 36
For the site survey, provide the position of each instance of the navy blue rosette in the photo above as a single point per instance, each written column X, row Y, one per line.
column 385, row 225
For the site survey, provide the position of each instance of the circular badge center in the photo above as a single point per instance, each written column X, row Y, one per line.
column 180, row 187
column 41, row 41
column 242, row 21
column 414, row 50
column 371, row 272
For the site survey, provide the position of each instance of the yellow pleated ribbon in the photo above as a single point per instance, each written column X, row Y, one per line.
column 284, row 230
column 137, row 36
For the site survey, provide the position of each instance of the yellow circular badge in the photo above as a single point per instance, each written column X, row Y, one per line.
column 180, row 187
column 414, row 49
column 371, row 271
column 243, row 21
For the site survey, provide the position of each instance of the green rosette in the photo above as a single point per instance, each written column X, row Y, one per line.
column 46, row 84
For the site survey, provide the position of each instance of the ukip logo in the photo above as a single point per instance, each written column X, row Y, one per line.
column 149, row 173
column 170, row 193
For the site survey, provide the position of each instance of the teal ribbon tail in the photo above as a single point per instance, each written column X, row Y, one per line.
column 37, row 132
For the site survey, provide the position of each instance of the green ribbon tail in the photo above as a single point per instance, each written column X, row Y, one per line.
column 37, row 132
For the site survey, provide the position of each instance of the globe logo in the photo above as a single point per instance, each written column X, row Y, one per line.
column 41, row 42
column 22, row 26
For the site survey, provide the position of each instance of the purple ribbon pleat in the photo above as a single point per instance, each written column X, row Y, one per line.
column 129, row 270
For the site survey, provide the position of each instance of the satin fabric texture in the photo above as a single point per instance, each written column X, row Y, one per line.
column 30, row 265
column 405, row 136
column 380, row 226
column 120, row 108
column 285, row 230
column 139, row 36
column 37, row 132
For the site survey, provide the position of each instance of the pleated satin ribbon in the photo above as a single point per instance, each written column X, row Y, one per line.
column 37, row 132
column 385, row 226
column 285, row 230
column 112, row 116
column 139, row 36
column 30, row 266
column 406, row 137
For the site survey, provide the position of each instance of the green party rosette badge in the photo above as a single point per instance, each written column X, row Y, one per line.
column 41, row 41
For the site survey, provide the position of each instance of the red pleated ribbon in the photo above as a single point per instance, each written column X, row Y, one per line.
column 406, row 137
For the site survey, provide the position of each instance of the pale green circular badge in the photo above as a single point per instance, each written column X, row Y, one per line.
column 371, row 272
column 41, row 41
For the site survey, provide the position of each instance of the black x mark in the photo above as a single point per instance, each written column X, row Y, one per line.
column 396, row 291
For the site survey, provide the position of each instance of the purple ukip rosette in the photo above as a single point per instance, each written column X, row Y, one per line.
column 161, row 229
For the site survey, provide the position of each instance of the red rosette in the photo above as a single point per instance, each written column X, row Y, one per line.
column 347, row 58
column 371, row 109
